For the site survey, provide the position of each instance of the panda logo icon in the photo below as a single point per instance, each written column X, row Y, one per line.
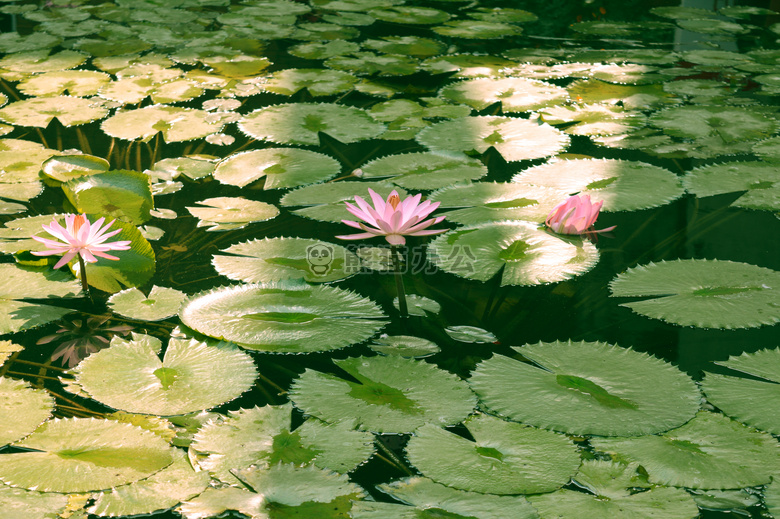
column 320, row 257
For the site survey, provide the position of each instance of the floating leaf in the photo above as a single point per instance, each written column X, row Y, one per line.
column 78, row 83
column 126, row 195
column 724, row 124
column 165, row 489
column 193, row 167
column 614, row 495
column 66, row 167
column 406, row 46
column 713, row 26
column 711, row 452
column 424, row 170
column 419, row 305
column 702, row 293
column 393, row 394
column 467, row 65
column 22, row 409
column 365, row 63
column 29, row 504
column 19, row 283
column 274, row 259
column 521, row 252
column 514, row 139
column 39, row 111
column 283, row 317
column 593, row 119
column 318, row 82
column 504, row 458
column 749, row 400
column 727, row 500
column 760, row 180
column 264, row 436
column 192, row 375
column 476, row 29
column 621, row 184
column 631, row 97
column 176, row 124
column 39, row 61
column 587, row 388
column 161, row 303
column 410, row 15
column 84, row 454
column 301, row 123
column 405, row 346
column 279, row 167
column 228, row 213
column 470, row 334
column 325, row 202
column 323, row 50
column 514, row 94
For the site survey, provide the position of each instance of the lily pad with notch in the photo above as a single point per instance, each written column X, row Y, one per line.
column 192, row 375
column 325, row 202
column 593, row 119
column 702, row 293
column 78, row 83
column 424, row 170
column 514, row 94
column 476, row 29
column 317, row 82
column 392, row 394
column 759, row 180
column 725, row 124
column 405, row 346
column 283, row 317
column 22, row 409
column 587, row 388
column 40, row 111
column 161, row 303
column 125, row 195
column 174, row 123
column 279, row 167
column 518, row 251
column 503, row 457
column 227, row 213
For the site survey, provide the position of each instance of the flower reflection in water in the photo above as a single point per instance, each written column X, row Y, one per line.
column 84, row 337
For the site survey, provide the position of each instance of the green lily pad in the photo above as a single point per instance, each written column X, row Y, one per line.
column 301, row 123
column 613, row 487
column 772, row 497
column 84, row 454
column 126, row 195
column 760, row 180
column 19, row 283
column 504, row 458
column 702, row 293
column 228, row 213
column 749, row 400
column 193, row 167
column 522, row 253
column 13, row 42
column 727, row 500
column 283, row 317
column 467, row 65
column 325, row 202
column 264, row 436
column 29, row 504
column 621, row 184
column 419, row 305
column 502, row 14
column 78, row 83
column 470, row 334
column 681, row 12
column 587, row 388
column 593, row 119
column 514, row 94
column 476, row 29
column 717, row 27
column 515, row 139
column 406, row 46
column 710, row 452
column 192, row 375
column 165, row 489
column 368, row 63
column 625, row 74
column 424, row 170
column 698, row 87
column 317, row 82
column 279, row 167
column 176, row 124
column 631, row 97
column 410, row 15
column 430, row 499
column 323, row 50
column 274, row 259
column 720, row 58
column 39, row 61
column 23, row 409
column 393, row 394
column 405, row 346
column 161, row 303
column 66, row 167
column 724, row 124
column 39, row 111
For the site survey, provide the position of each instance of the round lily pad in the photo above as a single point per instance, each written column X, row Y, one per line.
column 301, row 123
column 515, row 139
column 587, row 388
column 161, row 303
column 191, row 376
column 325, row 202
column 504, row 458
column 593, row 119
column 424, row 170
column 318, row 82
column 759, row 180
column 392, row 394
column 522, row 253
column 631, row 97
column 749, row 400
column 283, row 317
column 323, row 50
column 470, row 334
column 702, row 293
column 66, row 167
column 78, row 83
column 30, row 504
column 711, row 452
column 406, row 46
column 279, row 167
column 368, row 63
column 176, row 124
column 84, row 454
column 39, row 111
column 409, row 15
column 514, row 94
column 264, row 436
column 725, row 124
column 417, row 305
column 22, row 409
column 274, row 259
column 622, row 185
column 476, row 29
column 405, row 346
column 227, row 213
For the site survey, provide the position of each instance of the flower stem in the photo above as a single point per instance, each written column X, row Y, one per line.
column 399, row 281
column 83, row 271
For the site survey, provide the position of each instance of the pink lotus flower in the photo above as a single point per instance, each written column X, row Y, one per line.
column 80, row 237
column 575, row 215
column 393, row 218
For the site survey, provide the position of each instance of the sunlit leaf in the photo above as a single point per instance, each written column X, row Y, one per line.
column 39, row 111
column 22, row 409
column 161, row 303
column 423, row 170
column 227, row 213
column 175, row 124
column 279, row 167
column 759, row 180
column 514, row 94
column 126, row 195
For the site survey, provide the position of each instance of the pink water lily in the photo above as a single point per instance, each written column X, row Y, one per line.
column 81, row 237
column 392, row 218
column 575, row 215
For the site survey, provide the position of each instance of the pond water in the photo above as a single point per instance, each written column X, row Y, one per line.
column 239, row 359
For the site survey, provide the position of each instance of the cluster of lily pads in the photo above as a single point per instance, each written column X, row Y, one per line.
column 224, row 139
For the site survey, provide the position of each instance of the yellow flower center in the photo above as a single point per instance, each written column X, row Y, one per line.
column 394, row 200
